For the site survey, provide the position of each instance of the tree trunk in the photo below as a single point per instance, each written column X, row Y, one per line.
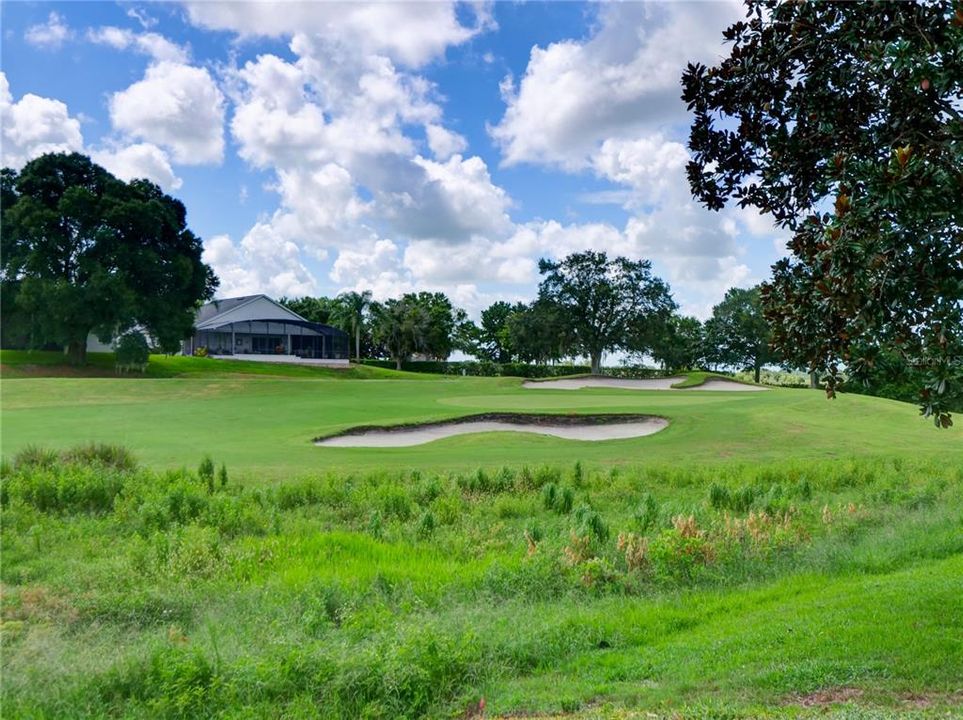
column 813, row 381
column 398, row 363
column 757, row 368
column 596, row 359
column 76, row 352
column 357, row 343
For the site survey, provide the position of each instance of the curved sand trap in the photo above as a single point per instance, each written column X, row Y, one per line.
column 726, row 386
column 592, row 381
column 595, row 381
column 568, row 427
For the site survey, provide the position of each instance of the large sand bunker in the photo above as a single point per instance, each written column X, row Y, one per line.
column 569, row 427
column 595, row 381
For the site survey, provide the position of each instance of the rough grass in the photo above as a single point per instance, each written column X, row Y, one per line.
column 705, row 590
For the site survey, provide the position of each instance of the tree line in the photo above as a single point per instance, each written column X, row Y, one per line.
column 587, row 305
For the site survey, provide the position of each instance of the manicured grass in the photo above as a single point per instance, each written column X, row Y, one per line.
column 821, row 570
column 263, row 427
column 35, row 364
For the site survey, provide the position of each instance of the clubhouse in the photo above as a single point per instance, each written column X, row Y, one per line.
column 255, row 327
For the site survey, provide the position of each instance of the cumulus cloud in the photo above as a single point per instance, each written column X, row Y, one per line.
column 261, row 262
column 141, row 160
column 33, row 126
column 176, row 106
column 620, row 83
column 443, row 142
column 49, row 35
column 155, row 46
column 411, row 33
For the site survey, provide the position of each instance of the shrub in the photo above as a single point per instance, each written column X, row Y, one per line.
column 481, row 483
column 566, row 499
column 589, row 523
column 222, row 476
column 394, row 501
column 200, row 352
column 34, row 456
column 426, row 526
column 113, row 456
column 549, row 495
column 646, row 515
column 205, row 471
column 132, row 352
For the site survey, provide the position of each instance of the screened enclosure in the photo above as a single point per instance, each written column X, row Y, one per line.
column 300, row 338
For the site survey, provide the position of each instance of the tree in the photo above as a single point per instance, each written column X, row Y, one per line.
column 844, row 121
column 320, row 309
column 400, row 326
column 352, row 309
column 737, row 334
column 605, row 302
column 676, row 344
column 538, row 332
column 495, row 342
column 90, row 253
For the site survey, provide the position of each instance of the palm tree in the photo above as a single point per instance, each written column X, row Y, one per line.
column 351, row 310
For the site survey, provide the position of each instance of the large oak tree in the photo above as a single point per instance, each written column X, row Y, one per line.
column 604, row 302
column 87, row 252
column 844, row 122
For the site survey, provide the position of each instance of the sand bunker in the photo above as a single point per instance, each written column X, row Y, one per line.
column 712, row 384
column 569, row 427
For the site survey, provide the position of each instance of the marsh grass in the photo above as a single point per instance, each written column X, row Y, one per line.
column 136, row 593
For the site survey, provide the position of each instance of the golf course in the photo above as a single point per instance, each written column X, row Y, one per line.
column 177, row 545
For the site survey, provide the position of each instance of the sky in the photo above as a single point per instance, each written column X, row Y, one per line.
column 324, row 147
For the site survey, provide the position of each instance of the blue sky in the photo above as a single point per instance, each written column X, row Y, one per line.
column 323, row 147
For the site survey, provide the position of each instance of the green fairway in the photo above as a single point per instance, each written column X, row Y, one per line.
column 769, row 554
column 264, row 425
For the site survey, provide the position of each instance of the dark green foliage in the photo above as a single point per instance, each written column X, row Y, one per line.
column 604, row 302
column 496, row 342
column 737, row 335
column 132, row 351
column 741, row 500
column 205, row 472
column 424, row 322
column 549, row 495
column 646, row 515
column 426, row 525
column 222, row 476
column 90, row 253
column 589, row 523
column 488, row 483
column 842, row 121
column 676, row 343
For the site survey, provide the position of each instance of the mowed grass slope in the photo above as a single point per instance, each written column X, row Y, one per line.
column 264, row 426
column 770, row 554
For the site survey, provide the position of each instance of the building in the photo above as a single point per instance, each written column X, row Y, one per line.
column 255, row 327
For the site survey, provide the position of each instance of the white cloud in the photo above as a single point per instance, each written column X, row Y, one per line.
column 261, row 262
column 176, row 106
column 650, row 165
column 444, row 143
column 622, row 82
column 49, row 35
column 410, row 33
column 452, row 201
column 145, row 20
column 141, row 160
column 33, row 126
column 156, row 46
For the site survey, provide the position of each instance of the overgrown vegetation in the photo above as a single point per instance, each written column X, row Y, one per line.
column 136, row 593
